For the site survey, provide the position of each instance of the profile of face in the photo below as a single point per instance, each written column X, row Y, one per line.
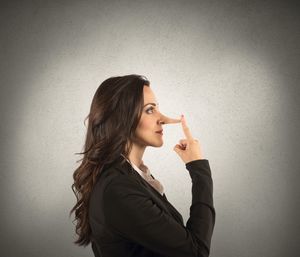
column 151, row 121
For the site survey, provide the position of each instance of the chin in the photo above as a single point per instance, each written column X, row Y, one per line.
column 151, row 141
column 157, row 144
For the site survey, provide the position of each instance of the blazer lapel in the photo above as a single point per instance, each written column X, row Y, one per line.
column 160, row 200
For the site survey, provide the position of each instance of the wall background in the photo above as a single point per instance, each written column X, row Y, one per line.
column 232, row 67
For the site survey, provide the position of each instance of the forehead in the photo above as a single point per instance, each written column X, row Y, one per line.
column 149, row 95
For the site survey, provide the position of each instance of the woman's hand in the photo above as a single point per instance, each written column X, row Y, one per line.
column 188, row 149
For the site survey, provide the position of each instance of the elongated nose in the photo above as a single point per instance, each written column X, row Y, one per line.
column 167, row 120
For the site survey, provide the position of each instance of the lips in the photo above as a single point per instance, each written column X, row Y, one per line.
column 159, row 131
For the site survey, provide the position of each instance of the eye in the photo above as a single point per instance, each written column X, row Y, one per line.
column 149, row 109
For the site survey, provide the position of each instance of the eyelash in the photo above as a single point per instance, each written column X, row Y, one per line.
column 151, row 108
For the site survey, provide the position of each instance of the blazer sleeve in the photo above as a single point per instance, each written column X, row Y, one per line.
column 135, row 216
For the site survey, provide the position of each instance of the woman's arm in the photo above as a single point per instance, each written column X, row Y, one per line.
column 136, row 217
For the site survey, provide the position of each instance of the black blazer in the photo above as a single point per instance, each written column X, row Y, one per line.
column 128, row 217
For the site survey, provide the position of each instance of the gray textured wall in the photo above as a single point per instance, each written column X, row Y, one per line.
column 232, row 67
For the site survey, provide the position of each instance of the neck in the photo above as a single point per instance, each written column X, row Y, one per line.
column 136, row 154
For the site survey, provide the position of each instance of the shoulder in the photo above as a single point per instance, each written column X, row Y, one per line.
column 118, row 174
column 112, row 183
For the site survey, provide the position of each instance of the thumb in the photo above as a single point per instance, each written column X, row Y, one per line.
column 177, row 149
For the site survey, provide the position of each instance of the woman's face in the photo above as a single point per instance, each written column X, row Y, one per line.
column 150, row 122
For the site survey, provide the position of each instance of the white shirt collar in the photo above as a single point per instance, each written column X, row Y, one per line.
column 136, row 168
column 142, row 174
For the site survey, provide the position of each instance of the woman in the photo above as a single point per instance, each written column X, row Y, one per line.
column 121, row 208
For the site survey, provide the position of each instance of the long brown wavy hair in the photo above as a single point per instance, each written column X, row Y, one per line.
column 114, row 115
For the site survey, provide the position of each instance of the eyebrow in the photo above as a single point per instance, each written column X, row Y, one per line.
column 154, row 104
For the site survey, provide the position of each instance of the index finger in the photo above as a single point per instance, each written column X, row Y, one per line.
column 186, row 129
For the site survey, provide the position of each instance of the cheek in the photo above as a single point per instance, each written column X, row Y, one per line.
column 145, row 125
